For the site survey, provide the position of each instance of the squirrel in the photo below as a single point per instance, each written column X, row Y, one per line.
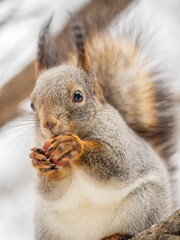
column 113, row 127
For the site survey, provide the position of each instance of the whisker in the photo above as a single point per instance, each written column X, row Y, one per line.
column 9, row 133
column 24, row 135
column 15, row 129
column 19, row 126
column 38, row 130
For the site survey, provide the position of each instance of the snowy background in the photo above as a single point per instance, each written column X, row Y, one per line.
column 20, row 21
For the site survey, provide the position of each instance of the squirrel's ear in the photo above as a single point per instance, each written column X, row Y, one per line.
column 46, row 57
column 80, row 41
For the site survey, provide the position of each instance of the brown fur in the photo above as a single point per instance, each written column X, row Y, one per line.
column 141, row 102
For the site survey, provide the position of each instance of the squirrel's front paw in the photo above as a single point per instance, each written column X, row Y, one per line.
column 65, row 148
column 41, row 163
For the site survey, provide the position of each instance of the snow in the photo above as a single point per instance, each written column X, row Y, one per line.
column 18, row 39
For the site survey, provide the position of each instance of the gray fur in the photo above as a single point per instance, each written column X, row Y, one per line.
column 123, row 159
column 125, row 163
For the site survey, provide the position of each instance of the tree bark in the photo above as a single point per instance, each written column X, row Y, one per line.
column 168, row 229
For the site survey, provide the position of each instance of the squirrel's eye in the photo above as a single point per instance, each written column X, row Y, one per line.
column 78, row 97
column 32, row 106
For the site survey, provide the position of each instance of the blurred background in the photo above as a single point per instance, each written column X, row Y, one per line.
column 20, row 22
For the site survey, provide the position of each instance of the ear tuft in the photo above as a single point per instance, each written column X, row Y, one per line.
column 46, row 57
column 80, row 41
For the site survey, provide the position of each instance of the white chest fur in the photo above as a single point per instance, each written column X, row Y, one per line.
column 88, row 211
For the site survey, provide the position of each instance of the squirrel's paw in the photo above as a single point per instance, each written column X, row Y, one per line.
column 65, row 148
column 117, row 236
column 41, row 162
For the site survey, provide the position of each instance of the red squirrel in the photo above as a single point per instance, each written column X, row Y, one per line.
column 112, row 127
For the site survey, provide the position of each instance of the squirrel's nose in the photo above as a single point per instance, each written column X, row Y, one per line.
column 49, row 124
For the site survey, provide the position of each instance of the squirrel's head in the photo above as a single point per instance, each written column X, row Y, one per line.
column 67, row 97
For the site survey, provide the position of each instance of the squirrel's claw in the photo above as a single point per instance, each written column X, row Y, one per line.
column 65, row 147
column 63, row 138
column 41, row 163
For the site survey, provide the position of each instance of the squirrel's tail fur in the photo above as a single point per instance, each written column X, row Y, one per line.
column 154, row 97
column 130, row 76
column 135, row 90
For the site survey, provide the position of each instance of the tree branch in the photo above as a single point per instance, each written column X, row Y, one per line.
column 167, row 229
column 15, row 91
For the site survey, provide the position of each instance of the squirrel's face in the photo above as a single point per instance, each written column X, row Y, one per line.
column 65, row 98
